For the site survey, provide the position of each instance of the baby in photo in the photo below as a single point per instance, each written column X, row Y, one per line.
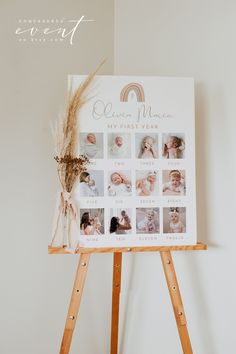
column 175, row 224
column 91, row 222
column 91, row 148
column 120, row 221
column 124, row 219
column 90, row 184
column 87, row 186
column 173, row 147
column 176, row 183
column 119, row 185
column 148, row 149
column 147, row 185
column 119, row 146
column 148, row 223
column 96, row 224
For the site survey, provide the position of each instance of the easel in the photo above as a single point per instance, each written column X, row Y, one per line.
column 171, row 280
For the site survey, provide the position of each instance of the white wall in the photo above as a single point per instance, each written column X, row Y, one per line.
column 153, row 37
column 35, row 288
column 188, row 38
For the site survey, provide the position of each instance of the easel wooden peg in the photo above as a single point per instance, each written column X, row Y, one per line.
column 176, row 300
column 74, row 303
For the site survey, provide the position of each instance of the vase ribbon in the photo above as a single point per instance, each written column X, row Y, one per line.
column 65, row 228
column 67, row 200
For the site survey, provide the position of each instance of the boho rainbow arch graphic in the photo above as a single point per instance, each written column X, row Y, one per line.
column 138, row 90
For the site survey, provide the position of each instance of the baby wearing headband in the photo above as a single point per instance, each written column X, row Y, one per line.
column 176, row 184
column 146, row 186
column 175, row 224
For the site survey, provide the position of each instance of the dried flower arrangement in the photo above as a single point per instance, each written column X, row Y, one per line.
column 65, row 132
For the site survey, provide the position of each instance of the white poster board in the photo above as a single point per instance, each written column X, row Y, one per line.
column 139, row 190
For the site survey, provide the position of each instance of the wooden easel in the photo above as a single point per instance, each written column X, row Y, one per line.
column 171, row 280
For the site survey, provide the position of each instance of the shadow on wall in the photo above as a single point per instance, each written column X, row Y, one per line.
column 201, row 165
column 204, row 130
column 201, row 162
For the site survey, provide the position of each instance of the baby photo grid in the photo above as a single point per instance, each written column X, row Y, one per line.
column 139, row 189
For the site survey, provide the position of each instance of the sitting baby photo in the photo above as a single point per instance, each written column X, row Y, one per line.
column 147, row 220
column 119, row 146
column 146, row 183
column 173, row 146
column 173, row 182
column 91, row 145
column 174, row 220
column 119, row 184
column 146, row 146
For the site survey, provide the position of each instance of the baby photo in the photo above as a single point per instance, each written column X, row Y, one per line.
column 91, row 145
column 146, row 183
column 173, row 146
column 91, row 221
column 146, row 146
column 120, row 221
column 173, row 182
column 147, row 220
column 90, row 184
column 119, row 184
column 119, row 146
column 174, row 220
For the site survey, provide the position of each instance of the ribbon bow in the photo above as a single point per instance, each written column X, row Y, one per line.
column 68, row 202
column 65, row 229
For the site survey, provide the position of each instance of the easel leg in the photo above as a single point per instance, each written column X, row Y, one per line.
column 176, row 301
column 117, row 266
column 74, row 303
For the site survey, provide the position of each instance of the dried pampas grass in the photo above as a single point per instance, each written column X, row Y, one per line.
column 66, row 136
